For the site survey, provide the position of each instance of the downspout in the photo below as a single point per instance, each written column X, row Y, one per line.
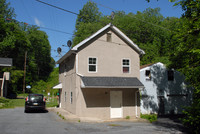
column 136, row 111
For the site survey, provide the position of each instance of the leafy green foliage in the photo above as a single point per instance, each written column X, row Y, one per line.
column 150, row 117
column 186, row 58
column 15, row 40
column 88, row 14
column 11, row 103
column 45, row 87
column 87, row 22
column 5, row 10
column 148, row 29
column 192, row 118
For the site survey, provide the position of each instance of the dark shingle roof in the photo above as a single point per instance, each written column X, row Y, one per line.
column 6, row 62
column 111, row 82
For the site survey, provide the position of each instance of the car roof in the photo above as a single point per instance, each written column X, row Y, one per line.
column 36, row 94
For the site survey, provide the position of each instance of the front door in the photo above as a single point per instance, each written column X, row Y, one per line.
column 115, row 104
column 161, row 104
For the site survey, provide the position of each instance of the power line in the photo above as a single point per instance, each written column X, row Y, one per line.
column 135, row 17
column 57, row 7
column 55, row 30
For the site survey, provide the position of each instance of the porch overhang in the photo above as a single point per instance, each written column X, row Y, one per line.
column 110, row 82
column 59, row 86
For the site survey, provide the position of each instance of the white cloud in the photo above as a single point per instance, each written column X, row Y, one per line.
column 38, row 22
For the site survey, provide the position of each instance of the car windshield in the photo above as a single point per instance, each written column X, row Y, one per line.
column 36, row 97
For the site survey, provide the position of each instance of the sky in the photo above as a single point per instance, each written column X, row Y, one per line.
column 62, row 24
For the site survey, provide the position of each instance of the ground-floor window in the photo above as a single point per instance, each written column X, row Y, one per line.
column 71, row 98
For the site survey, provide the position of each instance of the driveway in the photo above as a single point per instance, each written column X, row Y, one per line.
column 15, row 121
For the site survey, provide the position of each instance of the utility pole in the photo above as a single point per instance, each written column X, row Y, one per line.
column 24, row 83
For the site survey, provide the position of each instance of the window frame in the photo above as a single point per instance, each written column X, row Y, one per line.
column 109, row 37
column 65, row 97
column 170, row 75
column 71, row 97
column 129, row 66
column 92, row 64
column 148, row 77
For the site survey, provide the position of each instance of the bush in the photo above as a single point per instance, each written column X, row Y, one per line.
column 150, row 117
column 5, row 103
column 192, row 118
column 11, row 103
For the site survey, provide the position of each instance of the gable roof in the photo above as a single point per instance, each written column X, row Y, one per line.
column 143, row 67
column 147, row 65
column 113, row 28
column 111, row 82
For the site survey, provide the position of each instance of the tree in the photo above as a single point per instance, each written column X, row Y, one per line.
column 5, row 10
column 15, row 40
column 87, row 22
column 88, row 14
column 39, row 57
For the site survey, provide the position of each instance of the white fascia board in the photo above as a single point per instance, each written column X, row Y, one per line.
column 75, row 48
column 59, row 86
column 5, row 65
column 65, row 56
column 91, row 37
column 127, row 39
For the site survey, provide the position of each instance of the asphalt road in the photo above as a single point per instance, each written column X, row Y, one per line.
column 15, row 121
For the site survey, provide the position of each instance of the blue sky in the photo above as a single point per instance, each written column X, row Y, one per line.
column 35, row 13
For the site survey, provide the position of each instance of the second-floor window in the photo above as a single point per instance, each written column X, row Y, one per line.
column 126, row 65
column 92, row 64
column 170, row 75
column 148, row 74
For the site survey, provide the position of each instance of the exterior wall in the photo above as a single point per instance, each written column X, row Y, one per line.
column 109, row 57
column 95, row 102
column 67, row 76
column 159, row 92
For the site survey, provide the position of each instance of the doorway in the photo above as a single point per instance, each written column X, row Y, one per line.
column 116, row 104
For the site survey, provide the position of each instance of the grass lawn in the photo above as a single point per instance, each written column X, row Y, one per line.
column 11, row 103
column 19, row 102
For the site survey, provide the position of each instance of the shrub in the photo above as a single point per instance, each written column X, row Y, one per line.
column 192, row 118
column 150, row 117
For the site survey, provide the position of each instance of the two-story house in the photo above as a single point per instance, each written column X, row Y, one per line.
column 100, row 76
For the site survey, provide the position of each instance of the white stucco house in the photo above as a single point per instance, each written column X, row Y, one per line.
column 165, row 92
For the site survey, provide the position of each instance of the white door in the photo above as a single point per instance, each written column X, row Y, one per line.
column 115, row 104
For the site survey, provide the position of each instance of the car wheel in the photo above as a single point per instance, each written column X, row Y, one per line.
column 25, row 111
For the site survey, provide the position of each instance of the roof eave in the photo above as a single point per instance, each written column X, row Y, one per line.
column 124, row 87
column 65, row 56
column 140, row 51
column 75, row 48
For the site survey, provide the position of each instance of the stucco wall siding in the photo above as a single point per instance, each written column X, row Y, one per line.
column 109, row 58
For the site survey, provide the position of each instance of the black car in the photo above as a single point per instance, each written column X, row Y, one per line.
column 35, row 102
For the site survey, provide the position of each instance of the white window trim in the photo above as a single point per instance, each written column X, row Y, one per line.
column 126, row 65
column 91, row 64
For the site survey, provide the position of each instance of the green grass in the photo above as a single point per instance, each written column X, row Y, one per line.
column 150, row 117
column 52, row 103
column 11, row 103
column 20, row 101
column 62, row 117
